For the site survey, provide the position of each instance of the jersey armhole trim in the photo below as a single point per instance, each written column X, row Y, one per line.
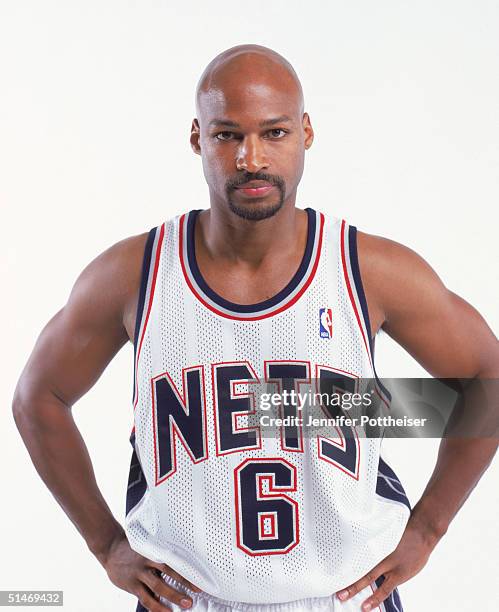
column 150, row 264
column 146, row 263
column 357, row 295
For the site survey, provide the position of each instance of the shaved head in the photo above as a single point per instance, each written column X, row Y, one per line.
column 250, row 64
column 251, row 131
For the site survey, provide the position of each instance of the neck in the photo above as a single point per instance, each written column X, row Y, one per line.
column 220, row 233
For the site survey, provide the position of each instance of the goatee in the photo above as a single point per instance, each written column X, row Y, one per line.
column 255, row 212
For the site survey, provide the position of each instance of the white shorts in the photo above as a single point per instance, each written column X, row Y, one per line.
column 203, row 602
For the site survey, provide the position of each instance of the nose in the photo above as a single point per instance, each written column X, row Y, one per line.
column 251, row 155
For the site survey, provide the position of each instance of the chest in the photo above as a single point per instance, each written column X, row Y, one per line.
column 244, row 284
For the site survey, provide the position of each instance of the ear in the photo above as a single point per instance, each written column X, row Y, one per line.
column 195, row 137
column 308, row 130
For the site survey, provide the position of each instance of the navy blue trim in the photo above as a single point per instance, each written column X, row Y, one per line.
column 146, row 264
column 394, row 491
column 249, row 308
column 392, row 603
column 354, row 263
column 137, row 484
column 140, row 607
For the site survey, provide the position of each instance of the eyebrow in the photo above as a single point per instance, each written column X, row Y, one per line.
column 265, row 123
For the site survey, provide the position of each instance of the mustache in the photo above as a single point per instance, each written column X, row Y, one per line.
column 245, row 177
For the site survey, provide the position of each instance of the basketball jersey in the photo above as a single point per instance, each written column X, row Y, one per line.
column 244, row 516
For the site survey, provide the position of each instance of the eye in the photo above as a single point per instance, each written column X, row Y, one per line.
column 225, row 135
column 276, row 133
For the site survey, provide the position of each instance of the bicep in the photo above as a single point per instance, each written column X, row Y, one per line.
column 442, row 331
column 76, row 345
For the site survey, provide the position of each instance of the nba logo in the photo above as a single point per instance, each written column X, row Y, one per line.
column 325, row 323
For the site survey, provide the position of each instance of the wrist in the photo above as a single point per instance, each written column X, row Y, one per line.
column 429, row 524
column 102, row 545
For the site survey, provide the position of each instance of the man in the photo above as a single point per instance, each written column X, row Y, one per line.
column 251, row 289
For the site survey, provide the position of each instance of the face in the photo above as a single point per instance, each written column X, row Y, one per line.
column 252, row 137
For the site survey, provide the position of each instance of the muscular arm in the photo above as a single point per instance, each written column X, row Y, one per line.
column 69, row 356
column 449, row 338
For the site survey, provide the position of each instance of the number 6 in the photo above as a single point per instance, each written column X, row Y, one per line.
column 266, row 522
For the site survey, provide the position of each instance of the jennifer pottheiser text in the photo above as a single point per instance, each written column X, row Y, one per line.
column 380, row 421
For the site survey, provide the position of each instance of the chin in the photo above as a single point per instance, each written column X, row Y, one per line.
column 255, row 211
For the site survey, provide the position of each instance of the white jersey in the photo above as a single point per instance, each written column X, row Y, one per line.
column 244, row 516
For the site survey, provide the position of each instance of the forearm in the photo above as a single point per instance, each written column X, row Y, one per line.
column 460, row 465
column 468, row 446
column 61, row 458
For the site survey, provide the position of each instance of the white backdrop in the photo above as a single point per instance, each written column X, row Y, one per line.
column 96, row 100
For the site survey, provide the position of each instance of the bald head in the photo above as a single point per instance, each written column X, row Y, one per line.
column 250, row 126
column 251, row 68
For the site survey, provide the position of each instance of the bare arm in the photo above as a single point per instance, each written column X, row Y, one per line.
column 71, row 353
column 449, row 338
column 69, row 356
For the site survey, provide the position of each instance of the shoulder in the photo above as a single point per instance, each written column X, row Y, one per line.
column 389, row 262
column 440, row 329
column 108, row 286
column 119, row 265
column 394, row 276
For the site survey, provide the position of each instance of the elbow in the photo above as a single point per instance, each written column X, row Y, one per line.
column 26, row 405
column 35, row 408
column 20, row 404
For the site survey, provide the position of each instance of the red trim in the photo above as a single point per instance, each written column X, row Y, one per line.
column 174, row 430
column 342, row 444
column 354, row 305
column 261, row 496
column 149, row 306
column 297, row 383
column 349, row 288
column 271, row 516
column 235, row 415
column 256, row 317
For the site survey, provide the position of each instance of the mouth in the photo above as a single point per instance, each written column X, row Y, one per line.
column 254, row 189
